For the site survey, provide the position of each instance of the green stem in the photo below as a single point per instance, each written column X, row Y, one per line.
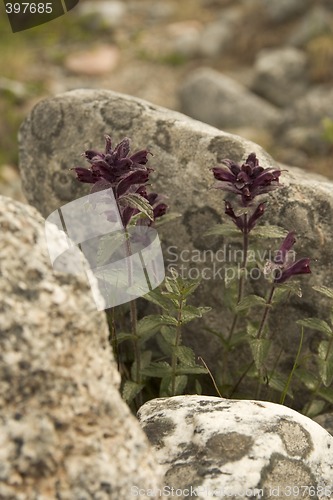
column 241, row 281
column 265, row 315
column 133, row 312
column 177, row 341
column 261, row 331
column 291, row 374
column 241, row 284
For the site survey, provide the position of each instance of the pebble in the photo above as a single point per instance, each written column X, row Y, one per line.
column 97, row 61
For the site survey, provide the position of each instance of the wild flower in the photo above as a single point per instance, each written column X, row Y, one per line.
column 127, row 175
column 247, row 180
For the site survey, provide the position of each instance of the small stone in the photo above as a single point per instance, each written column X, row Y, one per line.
column 280, row 75
column 95, row 62
column 110, row 12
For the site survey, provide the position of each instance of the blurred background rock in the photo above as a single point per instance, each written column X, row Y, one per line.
column 259, row 68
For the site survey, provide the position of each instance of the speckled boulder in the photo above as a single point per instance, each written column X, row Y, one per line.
column 240, row 449
column 64, row 430
column 59, row 129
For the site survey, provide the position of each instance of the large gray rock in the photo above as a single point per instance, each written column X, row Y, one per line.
column 65, row 431
column 59, row 129
column 280, row 75
column 211, row 97
column 238, row 448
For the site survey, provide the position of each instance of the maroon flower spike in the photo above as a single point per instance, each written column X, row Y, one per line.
column 247, row 180
column 284, row 268
column 126, row 174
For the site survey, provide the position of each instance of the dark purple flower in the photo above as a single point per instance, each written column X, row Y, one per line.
column 126, row 175
column 247, row 180
column 283, row 266
column 239, row 221
column 112, row 165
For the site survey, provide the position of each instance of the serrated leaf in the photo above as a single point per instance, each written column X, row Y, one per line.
column 131, row 390
column 169, row 334
column 324, row 290
column 286, row 289
column 108, row 244
column 252, row 330
column 250, row 301
column 268, row 232
column 259, row 348
column 157, row 369
column 325, row 363
column 165, row 219
column 158, row 298
column 122, row 336
column 153, row 323
column 137, row 201
column 190, row 370
column 316, row 324
column 224, row 230
column 191, row 312
column 185, row 355
column 188, row 287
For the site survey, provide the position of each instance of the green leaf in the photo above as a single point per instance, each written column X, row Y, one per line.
column 268, row 232
column 169, row 334
column 180, row 384
column 191, row 312
column 286, row 289
column 224, row 230
column 278, row 381
column 122, row 336
column 168, row 217
column 315, row 324
column 250, row 301
column 252, row 330
column 238, row 338
column 131, row 390
column 309, row 380
column 326, row 393
column 198, row 388
column 185, row 355
column 158, row 298
column 188, row 287
column 324, row 290
column 137, row 201
column 107, row 245
column 153, row 323
column 325, row 363
column 190, row 370
column 316, row 407
column 165, row 386
column 157, row 369
column 259, row 348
